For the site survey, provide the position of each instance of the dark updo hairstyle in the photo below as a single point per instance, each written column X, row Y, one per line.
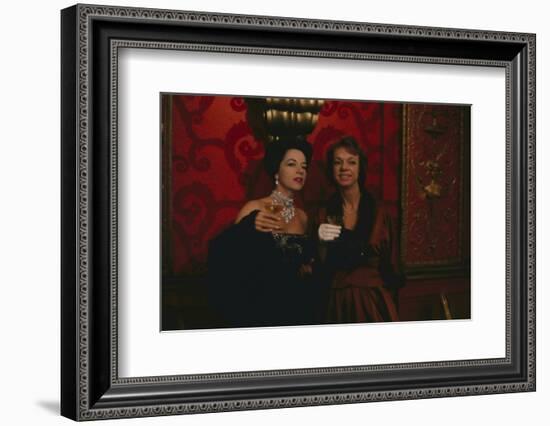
column 275, row 152
column 351, row 146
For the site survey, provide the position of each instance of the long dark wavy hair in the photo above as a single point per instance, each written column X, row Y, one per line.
column 367, row 204
column 350, row 145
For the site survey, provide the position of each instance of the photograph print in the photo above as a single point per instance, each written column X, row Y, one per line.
column 309, row 212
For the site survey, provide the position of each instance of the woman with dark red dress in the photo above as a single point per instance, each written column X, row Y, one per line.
column 356, row 243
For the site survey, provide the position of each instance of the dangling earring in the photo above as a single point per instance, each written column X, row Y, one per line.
column 276, row 180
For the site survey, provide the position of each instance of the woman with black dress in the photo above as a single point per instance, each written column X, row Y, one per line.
column 260, row 268
column 356, row 243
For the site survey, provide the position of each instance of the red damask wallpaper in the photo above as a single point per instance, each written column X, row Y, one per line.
column 212, row 166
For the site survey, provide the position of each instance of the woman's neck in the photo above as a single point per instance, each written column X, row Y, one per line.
column 284, row 191
column 351, row 196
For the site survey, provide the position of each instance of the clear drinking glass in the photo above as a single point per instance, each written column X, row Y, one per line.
column 335, row 220
column 274, row 208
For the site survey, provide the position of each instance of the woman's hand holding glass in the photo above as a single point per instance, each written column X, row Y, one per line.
column 268, row 222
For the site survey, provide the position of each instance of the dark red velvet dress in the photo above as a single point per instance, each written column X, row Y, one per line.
column 360, row 266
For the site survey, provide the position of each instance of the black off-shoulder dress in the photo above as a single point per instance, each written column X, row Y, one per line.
column 255, row 277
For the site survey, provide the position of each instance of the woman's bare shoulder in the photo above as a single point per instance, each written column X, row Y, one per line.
column 302, row 216
column 249, row 207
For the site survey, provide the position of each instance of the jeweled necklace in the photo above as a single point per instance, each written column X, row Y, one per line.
column 280, row 199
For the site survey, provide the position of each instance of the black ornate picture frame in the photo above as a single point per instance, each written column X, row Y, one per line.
column 90, row 384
